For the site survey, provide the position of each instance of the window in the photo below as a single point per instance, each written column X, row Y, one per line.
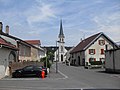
column 72, row 56
column 92, row 59
column 27, row 68
column 102, row 59
column 91, row 51
column 61, row 48
column 102, row 51
column 101, row 42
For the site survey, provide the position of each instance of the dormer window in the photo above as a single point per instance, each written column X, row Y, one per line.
column 101, row 42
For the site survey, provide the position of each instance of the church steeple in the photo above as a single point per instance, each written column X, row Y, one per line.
column 61, row 49
column 61, row 35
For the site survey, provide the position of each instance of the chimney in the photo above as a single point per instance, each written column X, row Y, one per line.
column 7, row 29
column 1, row 26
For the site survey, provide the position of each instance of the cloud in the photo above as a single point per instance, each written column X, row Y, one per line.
column 40, row 12
column 109, row 24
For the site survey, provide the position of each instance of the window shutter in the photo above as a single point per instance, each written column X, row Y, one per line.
column 102, row 51
column 89, row 51
column 94, row 59
column 94, row 51
column 89, row 59
column 99, row 42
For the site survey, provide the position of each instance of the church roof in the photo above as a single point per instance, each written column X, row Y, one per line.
column 61, row 30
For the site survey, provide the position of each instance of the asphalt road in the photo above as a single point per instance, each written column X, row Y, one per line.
column 69, row 78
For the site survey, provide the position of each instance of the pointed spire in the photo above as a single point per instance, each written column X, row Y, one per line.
column 61, row 30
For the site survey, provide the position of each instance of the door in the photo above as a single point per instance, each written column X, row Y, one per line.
column 62, row 58
column 28, row 71
column 79, row 60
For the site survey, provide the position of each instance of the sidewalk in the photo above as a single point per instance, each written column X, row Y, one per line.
column 54, row 75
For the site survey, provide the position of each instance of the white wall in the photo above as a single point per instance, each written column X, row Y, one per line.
column 97, row 48
column 64, row 57
column 4, row 54
column 2, row 71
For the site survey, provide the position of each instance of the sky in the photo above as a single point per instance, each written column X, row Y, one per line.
column 40, row 19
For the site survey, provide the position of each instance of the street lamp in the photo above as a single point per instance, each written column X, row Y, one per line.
column 56, row 57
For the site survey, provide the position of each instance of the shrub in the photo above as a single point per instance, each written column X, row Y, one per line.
column 96, row 62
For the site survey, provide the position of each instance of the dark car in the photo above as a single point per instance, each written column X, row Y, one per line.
column 28, row 71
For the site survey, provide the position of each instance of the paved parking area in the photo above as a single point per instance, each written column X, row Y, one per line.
column 70, row 78
column 52, row 75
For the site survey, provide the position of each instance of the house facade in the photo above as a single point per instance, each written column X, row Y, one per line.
column 37, row 52
column 24, row 48
column 68, row 57
column 8, row 54
column 112, row 57
column 91, row 49
column 24, row 51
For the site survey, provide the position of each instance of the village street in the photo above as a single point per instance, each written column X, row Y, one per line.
column 69, row 77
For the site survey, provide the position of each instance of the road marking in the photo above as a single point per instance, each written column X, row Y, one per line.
column 65, row 76
column 117, row 76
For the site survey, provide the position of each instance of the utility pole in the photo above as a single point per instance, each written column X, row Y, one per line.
column 56, row 59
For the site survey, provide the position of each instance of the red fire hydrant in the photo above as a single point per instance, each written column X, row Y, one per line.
column 43, row 74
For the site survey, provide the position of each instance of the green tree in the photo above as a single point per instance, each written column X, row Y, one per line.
column 46, row 61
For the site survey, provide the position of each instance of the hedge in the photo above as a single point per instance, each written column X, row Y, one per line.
column 96, row 62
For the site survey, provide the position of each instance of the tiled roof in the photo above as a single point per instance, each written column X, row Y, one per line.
column 7, row 44
column 33, row 42
column 84, row 43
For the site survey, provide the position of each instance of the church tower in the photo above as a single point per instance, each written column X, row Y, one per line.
column 61, row 42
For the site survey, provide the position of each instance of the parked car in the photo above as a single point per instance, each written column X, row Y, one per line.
column 29, row 71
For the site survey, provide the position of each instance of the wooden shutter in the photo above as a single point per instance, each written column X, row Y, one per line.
column 94, row 51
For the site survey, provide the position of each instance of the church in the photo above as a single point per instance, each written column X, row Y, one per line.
column 60, row 52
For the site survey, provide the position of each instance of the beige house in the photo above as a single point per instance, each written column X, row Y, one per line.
column 36, row 51
column 24, row 52
column 91, row 49
column 13, row 49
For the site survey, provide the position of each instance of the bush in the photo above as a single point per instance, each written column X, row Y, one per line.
column 96, row 62
column 48, row 62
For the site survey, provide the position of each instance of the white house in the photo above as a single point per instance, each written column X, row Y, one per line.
column 91, row 49
column 8, row 54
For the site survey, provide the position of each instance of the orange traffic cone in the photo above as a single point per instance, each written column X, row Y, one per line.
column 43, row 74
